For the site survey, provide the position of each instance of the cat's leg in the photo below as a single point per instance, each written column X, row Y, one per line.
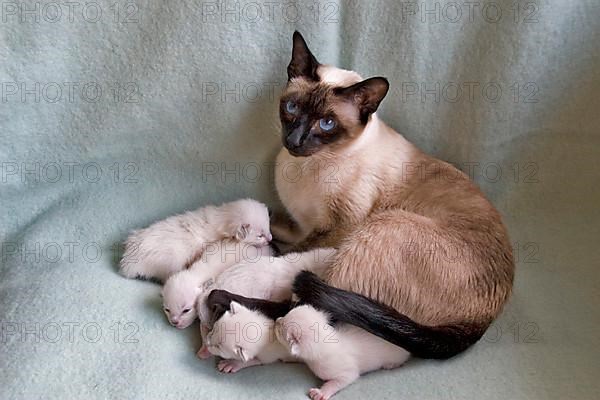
column 285, row 231
column 329, row 238
column 410, row 263
column 233, row 366
column 203, row 353
column 331, row 387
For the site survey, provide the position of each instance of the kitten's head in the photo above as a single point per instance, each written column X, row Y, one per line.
column 323, row 107
column 248, row 222
column 238, row 334
column 179, row 295
column 303, row 331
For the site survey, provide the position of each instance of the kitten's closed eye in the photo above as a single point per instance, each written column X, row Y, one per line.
column 167, row 310
column 185, row 311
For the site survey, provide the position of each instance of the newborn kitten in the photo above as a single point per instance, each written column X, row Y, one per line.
column 182, row 289
column 172, row 244
column 244, row 338
column 267, row 278
column 218, row 301
column 338, row 356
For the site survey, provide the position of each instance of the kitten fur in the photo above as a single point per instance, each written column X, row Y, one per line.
column 337, row 356
column 173, row 244
column 181, row 290
column 244, row 338
column 413, row 232
column 268, row 278
column 219, row 301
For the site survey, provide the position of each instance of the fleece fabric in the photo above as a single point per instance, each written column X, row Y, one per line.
column 115, row 114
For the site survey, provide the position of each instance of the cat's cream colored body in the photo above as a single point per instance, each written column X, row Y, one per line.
column 307, row 186
column 413, row 232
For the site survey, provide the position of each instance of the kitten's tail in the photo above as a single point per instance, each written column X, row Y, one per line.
column 422, row 341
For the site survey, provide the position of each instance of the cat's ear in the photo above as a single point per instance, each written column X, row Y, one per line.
column 366, row 95
column 242, row 232
column 303, row 63
column 293, row 334
column 235, row 307
column 242, row 354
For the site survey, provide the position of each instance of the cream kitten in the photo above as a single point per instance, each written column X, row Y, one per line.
column 172, row 244
column 181, row 290
column 338, row 356
column 244, row 338
column 268, row 277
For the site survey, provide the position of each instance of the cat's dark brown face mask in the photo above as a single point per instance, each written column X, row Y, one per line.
column 316, row 115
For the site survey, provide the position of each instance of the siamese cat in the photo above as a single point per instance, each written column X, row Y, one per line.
column 415, row 235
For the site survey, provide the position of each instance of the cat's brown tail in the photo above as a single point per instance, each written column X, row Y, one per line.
column 422, row 341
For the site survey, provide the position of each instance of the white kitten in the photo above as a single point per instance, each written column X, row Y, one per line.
column 170, row 245
column 268, row 278
column 336, row 355
column 245, row 338
column 181, row 290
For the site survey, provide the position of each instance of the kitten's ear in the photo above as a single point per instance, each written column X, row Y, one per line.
column 235, row 307
column 242, row 354
column 242, row 232
column 366, row 95
column 293, row 336
column 303, row 63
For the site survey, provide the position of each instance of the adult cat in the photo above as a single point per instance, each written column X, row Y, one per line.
column 413, row 232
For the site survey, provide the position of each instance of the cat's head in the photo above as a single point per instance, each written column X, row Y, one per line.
column 247, row 221
column 238, row 335
column 179, row 295
column 324, row 107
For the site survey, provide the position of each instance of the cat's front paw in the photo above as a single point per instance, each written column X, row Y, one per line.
column 316, row 394
column 230, row 366
column 203, row 353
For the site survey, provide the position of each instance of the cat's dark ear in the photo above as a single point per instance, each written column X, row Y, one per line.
column 303, row 63
column 366, row 95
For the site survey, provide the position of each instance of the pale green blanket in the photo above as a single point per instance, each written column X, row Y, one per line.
column 117, row 114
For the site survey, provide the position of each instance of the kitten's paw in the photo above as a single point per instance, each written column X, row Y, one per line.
column 391, row 366
column 316, row 394
column 203, row 353
column 230, row 366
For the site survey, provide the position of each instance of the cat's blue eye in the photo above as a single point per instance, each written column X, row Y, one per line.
column 291, row 107
column 326, row 124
